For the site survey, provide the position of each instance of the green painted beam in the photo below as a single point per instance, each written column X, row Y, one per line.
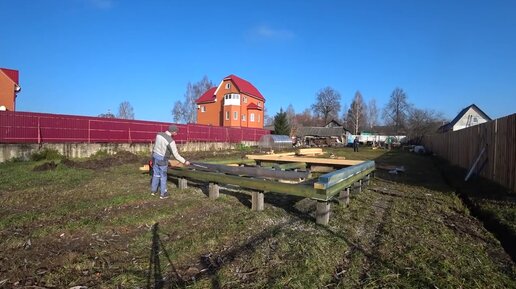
column 336, row 188
column 328, row 180
column 249, row 183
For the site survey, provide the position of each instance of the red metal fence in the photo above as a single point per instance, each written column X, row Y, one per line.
column 29, row 127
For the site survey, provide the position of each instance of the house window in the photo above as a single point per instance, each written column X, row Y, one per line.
column 235, row 115
column 228, row 85
column 243, row 117
column 259, row 103
column 251, row 117
column 475, row 119
column 227, row 115
column 203, row 108
column 244, row 99
column 258, row 118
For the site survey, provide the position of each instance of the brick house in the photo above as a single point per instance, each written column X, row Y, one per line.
column 234, row 103
column 9, row 87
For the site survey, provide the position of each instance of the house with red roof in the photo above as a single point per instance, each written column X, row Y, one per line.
column 9, row 87
column 234, row 103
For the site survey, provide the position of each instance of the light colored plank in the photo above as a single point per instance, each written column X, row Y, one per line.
column 305, row 160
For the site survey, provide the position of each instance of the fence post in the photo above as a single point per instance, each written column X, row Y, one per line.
column 39, row 131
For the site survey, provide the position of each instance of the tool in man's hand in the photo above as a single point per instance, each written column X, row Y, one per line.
column 199, row 166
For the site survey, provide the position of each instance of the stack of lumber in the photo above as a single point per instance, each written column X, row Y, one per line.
column 309, row 152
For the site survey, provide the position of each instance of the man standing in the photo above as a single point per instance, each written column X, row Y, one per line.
column 355, row 144
column 163, row 148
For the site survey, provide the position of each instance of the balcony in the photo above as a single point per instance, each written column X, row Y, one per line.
column 232, row 99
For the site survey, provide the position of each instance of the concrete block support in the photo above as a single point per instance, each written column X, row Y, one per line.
column 322, row 214
column 344, row 197
column 182, row 183
column 257, row 201
column 213, row 191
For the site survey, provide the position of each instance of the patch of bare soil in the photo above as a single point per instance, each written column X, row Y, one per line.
column 119, row 158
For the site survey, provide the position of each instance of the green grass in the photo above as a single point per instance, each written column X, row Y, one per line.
column 93, row 228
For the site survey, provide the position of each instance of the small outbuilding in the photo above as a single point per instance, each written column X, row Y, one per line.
column 275, row 141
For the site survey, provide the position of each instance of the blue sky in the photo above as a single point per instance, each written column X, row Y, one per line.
column 85, row 57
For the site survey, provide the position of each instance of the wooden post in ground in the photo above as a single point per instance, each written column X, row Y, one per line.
column 182, row 183
column 357, row 186
column 322, row 214
column 257, row 201
column 344, row 197
column 368, row 179
column 213, row 191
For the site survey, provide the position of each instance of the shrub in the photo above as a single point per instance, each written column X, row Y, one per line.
column 46, row 154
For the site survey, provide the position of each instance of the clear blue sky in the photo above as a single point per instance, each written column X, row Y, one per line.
column 86, row 56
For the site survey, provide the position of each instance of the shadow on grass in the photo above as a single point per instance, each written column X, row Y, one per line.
column 486, row 200
column 436, row 174
column 419, row 170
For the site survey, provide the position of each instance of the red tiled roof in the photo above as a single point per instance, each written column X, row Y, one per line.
column 12, row 74
column 245, row 86
column 253, row 106
column 208, row 96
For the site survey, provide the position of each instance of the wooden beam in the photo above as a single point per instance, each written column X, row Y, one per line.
column 344, row 197
column 309, row 151
column 251, row 171
column 291, row 166
column 306, row 191
column 233, row 161
column 321, row 169
column 257, row 201
column 305, row 160
column 330, row 179
column 336, row 188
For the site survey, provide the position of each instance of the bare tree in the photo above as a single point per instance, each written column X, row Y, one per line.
column 356, row 116
column 291, row 117
column 267, row 119
column 178, row 112
column 125, row 110
column 186, row 110
column 108, row 114
column 372, row 113
column 422, row 122
column 327, row 104
column 305, row 118
column 396, row 111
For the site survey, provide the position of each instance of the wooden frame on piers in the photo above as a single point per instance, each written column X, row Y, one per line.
column 323, row 189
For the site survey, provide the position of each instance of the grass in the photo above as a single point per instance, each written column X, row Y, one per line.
column 93, row 228
column 493, row 204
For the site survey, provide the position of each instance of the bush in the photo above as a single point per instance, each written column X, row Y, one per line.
column 243, row 148
column 46, row 154
column 100, row 154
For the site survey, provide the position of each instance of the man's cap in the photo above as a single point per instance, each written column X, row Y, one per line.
column 172, row 128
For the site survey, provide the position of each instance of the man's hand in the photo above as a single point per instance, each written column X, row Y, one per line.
column 187, row 163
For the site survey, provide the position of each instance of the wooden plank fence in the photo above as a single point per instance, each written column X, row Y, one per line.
column 463, row 147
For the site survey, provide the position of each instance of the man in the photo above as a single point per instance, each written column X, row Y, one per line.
column 163, row 148
column 355, row 144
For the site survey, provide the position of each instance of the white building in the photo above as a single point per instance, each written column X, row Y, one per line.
column 469, row 116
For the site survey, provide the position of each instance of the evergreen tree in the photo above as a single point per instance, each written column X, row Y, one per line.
column 281, row 125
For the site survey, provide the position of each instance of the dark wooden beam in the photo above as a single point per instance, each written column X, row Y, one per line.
column 258, row 172
column 306, row 191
